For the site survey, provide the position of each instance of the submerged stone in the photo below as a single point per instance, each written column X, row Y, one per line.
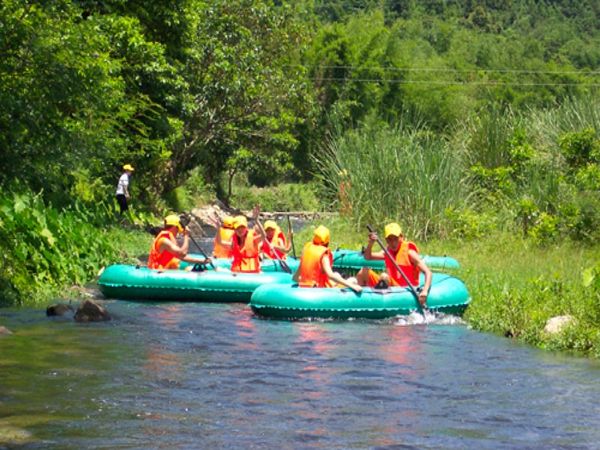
column 58, row 309
column 90, row 311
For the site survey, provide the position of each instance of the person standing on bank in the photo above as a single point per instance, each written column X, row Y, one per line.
column 123, row 188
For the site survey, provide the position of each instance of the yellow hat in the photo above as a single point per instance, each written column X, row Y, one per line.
column 240, row 221
column 392, row 229
column 321, row 235
column 270, row 224
column 228, row 221
column 128, row 167
column 173, row 221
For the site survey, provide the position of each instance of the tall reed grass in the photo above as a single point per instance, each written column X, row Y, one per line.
column 378, row 174
column 546, row 126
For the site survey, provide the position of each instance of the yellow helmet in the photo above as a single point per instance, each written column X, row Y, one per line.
column 392, row 229
column 173, row 221
column 270, row 224
column 128, row 167
column 240, row 221
column 321, row 235
column 228, row 221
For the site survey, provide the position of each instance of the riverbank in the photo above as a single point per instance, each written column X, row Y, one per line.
column 516, row 286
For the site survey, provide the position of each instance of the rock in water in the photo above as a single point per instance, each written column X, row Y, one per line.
column 90, row 311
column 58, row 309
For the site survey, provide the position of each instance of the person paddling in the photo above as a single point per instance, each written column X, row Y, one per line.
column 225, row 231
column 245, row 244
column 406, row 258
column 315, row 269
column 166, row 253
column 275, row 245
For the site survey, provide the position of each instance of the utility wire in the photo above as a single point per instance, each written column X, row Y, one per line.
column 450, row 70
column 449, row 83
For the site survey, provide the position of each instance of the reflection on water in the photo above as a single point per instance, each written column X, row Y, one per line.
column 185, row 375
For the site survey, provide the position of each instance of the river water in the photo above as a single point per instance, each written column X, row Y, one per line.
column 193, row 375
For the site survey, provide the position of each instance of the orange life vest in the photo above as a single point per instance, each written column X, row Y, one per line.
column 311, row 266
column 245, row 254
column 403, row 261
column 279, row 240
column 162, row 259
column 220, row 250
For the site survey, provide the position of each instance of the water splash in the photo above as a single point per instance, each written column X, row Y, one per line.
column 427, row 318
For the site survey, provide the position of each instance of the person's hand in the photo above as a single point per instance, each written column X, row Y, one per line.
column 373, row 236
column 255, row 211
column 207, row 261
column 356, row 288
column 422, row 298
column 216, row 220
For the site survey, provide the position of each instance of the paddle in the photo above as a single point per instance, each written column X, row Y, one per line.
column 291, row 231
column 282, row 263
column 387, row 253
column 185, row 220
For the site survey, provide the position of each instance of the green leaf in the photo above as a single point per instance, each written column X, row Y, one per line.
column 588, row 277
column 49, row 236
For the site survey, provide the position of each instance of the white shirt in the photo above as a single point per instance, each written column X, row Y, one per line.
column 123, row 183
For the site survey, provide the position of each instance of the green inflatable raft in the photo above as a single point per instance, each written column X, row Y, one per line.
column 345, row 261
column 354, row 260
column 127, row 282
column 448, row 294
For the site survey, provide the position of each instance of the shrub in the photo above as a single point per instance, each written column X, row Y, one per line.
column 45, row 248
column 468, row 224
column 284, row 197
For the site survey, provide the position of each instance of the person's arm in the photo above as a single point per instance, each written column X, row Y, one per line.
column 215, row 221
column 369, row 253
column 281, row 246
column 126, row 186
column 194, row 260
column 259, row 231
column 417, row 261
column 171, row 245
column 334, row 276
column 229, row 243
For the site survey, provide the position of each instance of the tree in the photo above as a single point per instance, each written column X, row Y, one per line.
column 249, row 93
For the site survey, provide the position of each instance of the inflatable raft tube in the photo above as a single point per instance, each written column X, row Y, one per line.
column 354, row 260
column 343, row 260
column 140, row 283
column 447, row 294
column 267, row 265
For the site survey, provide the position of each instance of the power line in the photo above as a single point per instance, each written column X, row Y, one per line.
column 450, row 83
column 450, row 70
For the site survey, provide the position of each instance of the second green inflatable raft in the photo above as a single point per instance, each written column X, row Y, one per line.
column 448, row 294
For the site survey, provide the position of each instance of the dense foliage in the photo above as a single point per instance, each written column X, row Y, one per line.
column 459, row 118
